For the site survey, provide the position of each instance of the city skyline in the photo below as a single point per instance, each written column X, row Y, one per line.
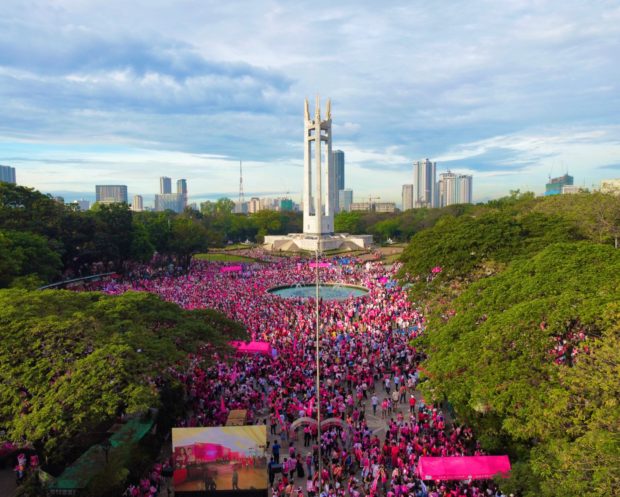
column 511, row 93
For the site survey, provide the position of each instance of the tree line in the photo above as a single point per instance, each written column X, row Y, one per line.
column 74, row 362
column 523, row 334
column 42, row 240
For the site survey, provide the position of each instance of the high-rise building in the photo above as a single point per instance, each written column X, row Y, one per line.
column 254, row 205
column 454, row 188
column 182, row 190
column 571, row 190
column 424, row 186
column 7, row 174
column 446, row 189
column 111, row 194
column 360, row 206
column 610, row 186
column 554, row 187
column 169, row 202
column 465, row 195
column 82, row 205
column 138, row 203
column 345, row 199
column 338, row 160
column 383, row 207
column 286, row 204
column 165, row 185
column 407, row 197
column 241, row 208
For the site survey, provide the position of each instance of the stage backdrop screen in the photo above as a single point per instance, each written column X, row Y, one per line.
column 222, row 458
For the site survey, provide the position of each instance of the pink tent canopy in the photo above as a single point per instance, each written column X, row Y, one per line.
column 462, row 468
column 253, row 347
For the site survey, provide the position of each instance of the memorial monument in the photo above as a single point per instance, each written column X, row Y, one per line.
column 319, row 193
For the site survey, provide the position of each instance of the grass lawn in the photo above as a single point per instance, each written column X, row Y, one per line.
column 391, row 259
column 223, row 258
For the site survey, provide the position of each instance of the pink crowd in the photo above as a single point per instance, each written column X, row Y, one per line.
column 367, row 365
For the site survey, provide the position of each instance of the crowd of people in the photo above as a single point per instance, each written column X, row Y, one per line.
column 368, row 368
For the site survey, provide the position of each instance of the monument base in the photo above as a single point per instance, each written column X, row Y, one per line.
column 297, row 242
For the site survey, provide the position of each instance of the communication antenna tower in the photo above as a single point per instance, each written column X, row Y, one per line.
column 241, row 195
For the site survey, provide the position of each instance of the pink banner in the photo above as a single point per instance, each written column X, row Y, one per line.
column 253, row 347
column 229, row 269
column 321, row 264
column 462, row 468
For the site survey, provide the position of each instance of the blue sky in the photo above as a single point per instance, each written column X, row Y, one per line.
column 124, row 91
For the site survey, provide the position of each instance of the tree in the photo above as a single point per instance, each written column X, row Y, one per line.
column 267, row 222
column 158, row 226
column 188, row 238
column 587, row 460
column 462, row 245
column 348, row 222
column 494, row 359
column 389, row 228
column 25, row 209
column 23, row 254
column 596, row 214
column 71, row 361
column 224, row 206
column 113, row 235
column 77, row 232
column 141, row 247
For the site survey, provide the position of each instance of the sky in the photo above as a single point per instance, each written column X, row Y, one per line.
column 124, row 91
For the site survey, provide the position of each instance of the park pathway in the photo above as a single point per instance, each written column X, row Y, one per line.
column 7, row 482
column 376, row 424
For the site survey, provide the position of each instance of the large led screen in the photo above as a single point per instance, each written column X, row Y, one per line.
column 223, row 458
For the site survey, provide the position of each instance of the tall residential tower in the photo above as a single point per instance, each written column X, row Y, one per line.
column 407, row 198
column 424, row 186
column 7, row 174
column 111, row 194
column 338, row 160
column 182, row 191
column 165, row 185
column 454, row 189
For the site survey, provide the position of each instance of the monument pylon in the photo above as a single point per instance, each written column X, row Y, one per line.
column 319, row 192
column 319, row 180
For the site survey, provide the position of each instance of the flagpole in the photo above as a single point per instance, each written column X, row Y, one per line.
column 318, row 366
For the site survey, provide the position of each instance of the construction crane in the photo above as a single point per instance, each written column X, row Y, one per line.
column 370, row 202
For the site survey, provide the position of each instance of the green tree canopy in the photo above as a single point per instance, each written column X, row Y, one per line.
column 348, row 222
column 493, row 358
column 25, row 254
column 188, row 238
column 71, row 361
column 460, row 245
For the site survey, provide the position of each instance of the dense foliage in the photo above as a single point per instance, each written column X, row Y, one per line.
column 73, row 361
column 399, row 226
column 42, row 240
column 522, row 336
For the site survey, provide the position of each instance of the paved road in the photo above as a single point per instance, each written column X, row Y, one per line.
column 375, row 423
column 7, row 482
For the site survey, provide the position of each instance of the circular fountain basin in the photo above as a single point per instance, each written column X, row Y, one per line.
column 327, row 291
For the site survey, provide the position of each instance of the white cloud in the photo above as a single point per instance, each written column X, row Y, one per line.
column 525, row 87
